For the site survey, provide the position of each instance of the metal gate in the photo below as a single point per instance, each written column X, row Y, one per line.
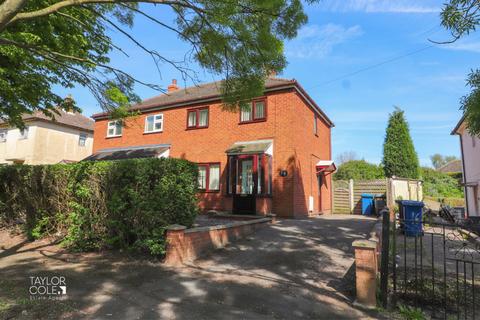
column 435, row 269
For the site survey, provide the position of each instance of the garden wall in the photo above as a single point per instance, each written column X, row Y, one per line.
column 184, row 245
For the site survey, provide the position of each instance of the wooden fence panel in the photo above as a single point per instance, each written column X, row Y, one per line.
column 371, row 187
column 341, row 197
column 347, row 196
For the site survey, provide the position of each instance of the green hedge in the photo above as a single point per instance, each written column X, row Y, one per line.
column 109, row 204
column 359, row 170
column 440, row 185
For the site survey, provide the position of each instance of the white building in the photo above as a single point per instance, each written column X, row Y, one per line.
column 470, row 148
column 68, row 138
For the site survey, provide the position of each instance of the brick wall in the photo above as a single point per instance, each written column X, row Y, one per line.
column 184, row 245
column 309, row 148
column 288, row 124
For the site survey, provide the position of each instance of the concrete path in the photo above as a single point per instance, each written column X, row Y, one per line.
column 293, row 269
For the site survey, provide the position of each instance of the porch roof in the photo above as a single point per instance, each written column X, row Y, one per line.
column 148, row 151
column 250, row 147
column 325, row 166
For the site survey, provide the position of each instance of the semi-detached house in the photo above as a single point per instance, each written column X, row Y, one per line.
column 271, row 157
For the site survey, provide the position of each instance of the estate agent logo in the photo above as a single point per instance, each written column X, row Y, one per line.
column 47, row 287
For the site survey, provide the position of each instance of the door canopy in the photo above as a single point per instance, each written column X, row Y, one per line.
column 325, row 167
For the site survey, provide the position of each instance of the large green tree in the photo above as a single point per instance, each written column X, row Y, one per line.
column 462, row 17
column 399, row 156
column 44, row 43
column 439, row 160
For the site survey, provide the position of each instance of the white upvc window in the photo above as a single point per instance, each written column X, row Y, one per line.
column 3, row 135
column 154, row 123
column 114, row 128
column 82, row 139
column 23, row 134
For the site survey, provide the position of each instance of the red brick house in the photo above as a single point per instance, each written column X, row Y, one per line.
column 273, row 157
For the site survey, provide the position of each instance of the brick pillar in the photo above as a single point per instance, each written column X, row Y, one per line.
column 175, row 245
column 366, row 268
column 273, row 217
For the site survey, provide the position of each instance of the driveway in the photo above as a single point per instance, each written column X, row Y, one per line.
column 293, row 269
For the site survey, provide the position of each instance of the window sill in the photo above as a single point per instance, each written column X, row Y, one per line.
column 253, row 121
column 152, row 132
column 113, row 137
column 257, row 196
column 208, row 191
column 196, row 128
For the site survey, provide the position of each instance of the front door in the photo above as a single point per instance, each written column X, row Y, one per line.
column 244, row 198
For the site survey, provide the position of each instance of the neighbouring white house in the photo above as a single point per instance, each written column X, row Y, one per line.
column 67, row 138
column 470, row 148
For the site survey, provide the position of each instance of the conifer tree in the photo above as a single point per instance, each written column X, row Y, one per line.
column 399, row 156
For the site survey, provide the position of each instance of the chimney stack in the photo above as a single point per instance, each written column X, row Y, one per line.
column 273, row 74
column 173, row 86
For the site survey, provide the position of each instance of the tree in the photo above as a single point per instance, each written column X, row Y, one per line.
column 461, row 17
column 439, row 161
column 358, row 170
column 399, row 156
column 346, row 157
column 45, row 43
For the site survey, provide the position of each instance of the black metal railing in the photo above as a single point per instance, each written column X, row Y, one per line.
column 430, row 264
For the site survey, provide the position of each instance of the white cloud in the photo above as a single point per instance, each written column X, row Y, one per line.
column 314, row 41
column 463, row 45
column 382, row 6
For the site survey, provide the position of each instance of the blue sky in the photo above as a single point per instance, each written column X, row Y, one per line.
column 357, row 59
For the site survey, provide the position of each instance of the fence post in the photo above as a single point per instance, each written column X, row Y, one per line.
column 366, row 267
column 384, row 257
column 350, row 193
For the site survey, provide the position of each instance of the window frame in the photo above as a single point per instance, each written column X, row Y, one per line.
column 108, row 128
column 23, row 134
column 252, row 105
column 84, row 140
column 5, row 131
column 207, row 177
column 262, row 165
column 197, row 119
column 154, row 122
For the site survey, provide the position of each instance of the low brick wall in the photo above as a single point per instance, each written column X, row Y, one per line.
column 184, row 245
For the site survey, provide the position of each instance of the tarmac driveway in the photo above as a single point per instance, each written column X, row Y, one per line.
column 293, row 269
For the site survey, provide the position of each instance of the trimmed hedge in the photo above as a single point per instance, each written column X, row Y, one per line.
column 108, row 204
column 358, row 170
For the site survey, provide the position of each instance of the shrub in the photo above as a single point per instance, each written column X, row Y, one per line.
column 440, row 185
column 93, row 205
column 358, row 170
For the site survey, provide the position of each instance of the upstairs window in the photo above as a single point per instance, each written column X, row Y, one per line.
column 197, row 118
column 154, row 123
column 209, row 176
column 3, row 135
column 256, row 111
column 82, row 139
column 23, row 134
column 315, row 124
column 114, row 128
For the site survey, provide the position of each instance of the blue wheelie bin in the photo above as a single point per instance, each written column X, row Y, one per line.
column 367, row 204
column 411, row 214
